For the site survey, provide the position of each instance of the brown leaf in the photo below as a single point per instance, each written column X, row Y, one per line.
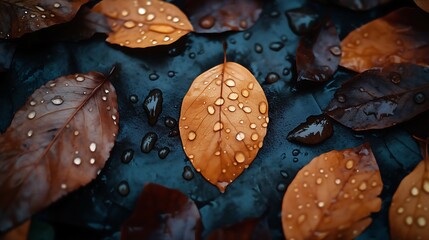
column 357, row 5
column 302, row 20
column 223, row 122
column 18, row 17
column 333, row 196
column 56, row 143
column 18, row 233
column 162, row 213
column 316, row 129
column 381, row 98
column 249, row 229
column 401, row 36
column 215, row 16
column 318, row 53
column 408, row 214
column 142, row 23
column 423, row 4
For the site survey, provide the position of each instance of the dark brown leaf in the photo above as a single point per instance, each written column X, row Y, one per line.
column 357, row 5
column 302, row 20
column 318, row 53
column 401, row 36
column 315, row 130
column 249, row 229
column 333, row 196
column 56, row 143
column 18, row 233
column 214, row 16
column 381, row 98
column 18, row 17
column 162, row 213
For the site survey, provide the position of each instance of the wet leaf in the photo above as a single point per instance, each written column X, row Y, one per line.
column 215, row 16
column 318, row 53
column 223, row 122
column 357, row 5
column 381, row 98
column 162, row 213
column 401, row 36
column 423, row 4
column 333, row 196
column 141, row 23
column 408, row 213
column 18, row 17
column 302, row 20
column 249, row 229
column 314, row 130
column 56, row 143
column 18, row 233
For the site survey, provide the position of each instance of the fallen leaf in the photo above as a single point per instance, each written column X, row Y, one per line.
column 423, row 4
column 381, row 98
column 56, row 143
column 316, row 129
column 162, row 213
column 249, row 229
column 223, row 122
column 215, row 16
column 302, row 20
column 18, row 233
column 408, row 213
column 318, row 53
column 143, row 23
column 401, row 36
column 18, row 17
column 357, row 5
column 333, row 196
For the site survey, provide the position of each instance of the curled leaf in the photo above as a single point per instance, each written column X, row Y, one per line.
column 214, row 16
column 333, row 196
column 408, row 214
column 223, row 122
column 56, row 143
column 401, row 36
column 141, row 23
column 357, row 5
column 162, row 213
column 380, row 98
column 318, row 53
column 314, row 130
column 18, row 17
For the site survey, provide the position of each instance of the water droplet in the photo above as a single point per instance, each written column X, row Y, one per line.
column 211, row 110
column 192, row 55
column 320, row 204
column 319, row 181
column 148, row 142
column 92, row 161
column 92, row 147
column 239, row 157
column 233, row 96
column 341, row 98
column 419, row 98
column 218, row 126
column 152, row 106
column 187, row 173
column 57, row 100
column 127, row 155
column 295, row 152
column 171, row 74
column 258, row 48
column 153, row 76
column 272, row 77
column 414, row 191
column 129, row 24
column 247, row 35
column 33, row 103
column 254, row 136
column 170, row 122
column 335, row 50
column 230, row 83
column 281, row 187
column 123, row 188
column 57, row 5
column 173, row 133
column 219, row 102
column 80, row 79
column 175, row 20
column 400, row 210
column 141, row 11
column 302, row 218
column 409, row 220
column 263, row 107
column 426, row 185
column 125, row 13
column 40, row 8
column 245, row 93
column 30, row 133
column 166, row 38
column 77, row 161
column 276, row 46
column 421, row 221
column 32, row 15
column 150, row 17
column 247, row 109
column 192, row 135
column 240, row 136
column 163, row 152
column 207, row 21
column 395, row 77
column 31, row 115
column 134, row 98
column 162, row 28
column 349, row 164
column 362, row 186
column 252, row 125
column 104, row 98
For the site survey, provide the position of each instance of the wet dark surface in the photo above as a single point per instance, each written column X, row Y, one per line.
column 97, row 210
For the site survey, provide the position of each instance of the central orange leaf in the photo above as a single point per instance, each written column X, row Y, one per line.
column 223, row 122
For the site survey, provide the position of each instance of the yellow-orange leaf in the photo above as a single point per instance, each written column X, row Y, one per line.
column 223, row 122
column 409, row 212
column 333, row 196
column 401, row 36
column 143, row 23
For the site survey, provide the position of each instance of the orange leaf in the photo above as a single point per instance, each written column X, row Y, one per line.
column 333, row 196
column 23, row 16
column 401, row 36
column 224, row 119
column 423, row 4
column 56, row 143
column 409, row 211
column 144, row 23
column 18, row 233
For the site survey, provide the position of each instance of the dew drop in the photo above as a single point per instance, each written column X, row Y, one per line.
column 163, row 152
column 272, row 77
column 231, row 108
column 245, row 93
column 409, row 220
column 320, row 204
column 92, row 161
column 263, row 107
column 170, row 122
column 141, row 11
column 63, row 186
column 153, row 76
column 218, row 126
column 258, row 48
column 129, row 24
column 252, row 125
column 421, row 222
column 395, row 77
column 30, row 133
column 426, row 186
column 362, row 186
column 123, row 188
column 31, row 115
column 341, row 98
column 125, row 13
column 162, row 28
column 104, row 98
column 211, row 110
column 349, row 164
column 414, row 191
column 148, row 142
column 127, row 155
column 239, row 157
column 254, row 136
column 302, row 218
column 419, row 98
column 219, row 102
column 230, row 83
column 57, row 100
column 335, row 50
column 319, row 181
column 92, row 147
column 57, row 5
column 33, row 103
column 233, row 96
column 338, row 181
column 400, row 210
column 80, row 78
column 175, row 20
column 296, row 152
column 187, row 173
column 77, row 161
column 207, row 21
column 40, row 8
column 276, row 46
column 240, row 136
column 192, row 135
column 281, row 187
column 247, row 109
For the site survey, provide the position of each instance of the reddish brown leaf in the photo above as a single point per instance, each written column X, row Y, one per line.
column 142, row 23
column 409, row 214
column 357, row 5
column 314, row 130
column 333, row 196
column 18, row 17
column 401, row 36
column 250, row 229
column 18, row 233
column 423, row 4
column 302, row 20
column 56, row 143
column 214, row 16
column 223, row 122
column 318, row 53
column 380, row 98
column 162, row 213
